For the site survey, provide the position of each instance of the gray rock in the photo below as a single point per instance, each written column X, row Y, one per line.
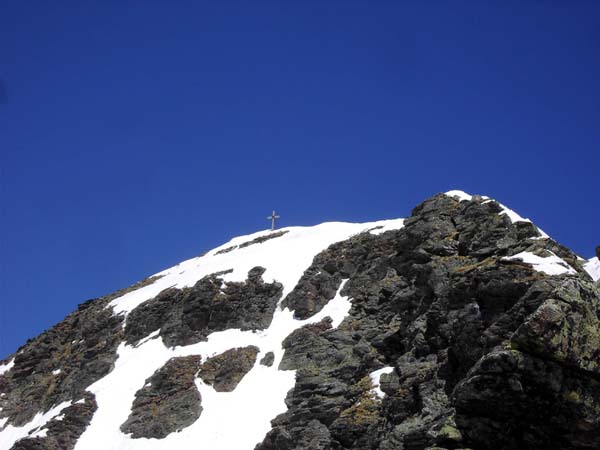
column 223, row 372
column 268, row 359
column 434, row 300
column 168, row 402
column 187, row 316
column 62, row 434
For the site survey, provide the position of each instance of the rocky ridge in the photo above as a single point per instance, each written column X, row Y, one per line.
column 467, row 328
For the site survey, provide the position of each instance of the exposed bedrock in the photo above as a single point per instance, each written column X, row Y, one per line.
column 187, row 316
column 62, row 362
column 437, row 303
column 168, row 402
column 223, row 372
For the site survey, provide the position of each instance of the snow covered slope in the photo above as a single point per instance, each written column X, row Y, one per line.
column 285, row 259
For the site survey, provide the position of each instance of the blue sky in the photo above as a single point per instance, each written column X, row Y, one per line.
column 136, row 135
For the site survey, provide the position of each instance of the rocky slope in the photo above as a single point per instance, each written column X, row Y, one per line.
column 463, row 326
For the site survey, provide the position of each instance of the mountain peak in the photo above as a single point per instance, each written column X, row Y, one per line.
column 446, row 329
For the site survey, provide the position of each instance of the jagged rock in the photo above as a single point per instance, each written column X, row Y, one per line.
column 598, row 251
column 63, row 431
column 168, row 402
column 83, row 346
column 434, row 300
column 268, row 359
column 514, row 400
column 223, row 372
column 186, row 316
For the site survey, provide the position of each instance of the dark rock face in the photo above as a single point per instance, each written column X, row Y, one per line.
column 598, row 251
column 477, row 343
column 187, row 316
column 83, row 347
column 268, row 359
column 168, row 402
column 223, row 372
column 62, row 432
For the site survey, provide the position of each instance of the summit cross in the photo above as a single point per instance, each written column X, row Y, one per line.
column 272, row 218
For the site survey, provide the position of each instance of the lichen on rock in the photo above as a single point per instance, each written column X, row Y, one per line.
column 223, row 372
column 168, row 402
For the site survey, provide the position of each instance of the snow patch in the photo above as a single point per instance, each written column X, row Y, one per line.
column 462, row 196
column 387, row 225
column 6, row 367
column 552, row 265
column 375, row 379
column 593, row 268
column 512, row 215
column 56, row 372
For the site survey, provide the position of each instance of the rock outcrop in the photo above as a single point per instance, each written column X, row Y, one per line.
column 223, row 372
column 168, row 402
column 186, row 316
column 58, row 365
column 62, row 432
column 478, row 342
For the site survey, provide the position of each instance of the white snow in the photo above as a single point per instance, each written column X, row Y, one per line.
column 257, row 399
column 375, row 379
column 387, row 225
column 593, row 268
column 40, row 433
column 462, row 196
column 11, row 434
column 552, row 265
column 6, row 367
column 56, row 372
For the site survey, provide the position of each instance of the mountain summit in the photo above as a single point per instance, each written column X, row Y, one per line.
column 463, row 326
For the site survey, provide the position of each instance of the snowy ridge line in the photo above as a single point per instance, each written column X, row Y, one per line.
column 592, row 267
column 512, row 215
column 304, row 243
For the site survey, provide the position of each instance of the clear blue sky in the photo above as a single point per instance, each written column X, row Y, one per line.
column 134, row 135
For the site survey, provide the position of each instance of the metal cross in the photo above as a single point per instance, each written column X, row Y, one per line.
column 272, row 218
